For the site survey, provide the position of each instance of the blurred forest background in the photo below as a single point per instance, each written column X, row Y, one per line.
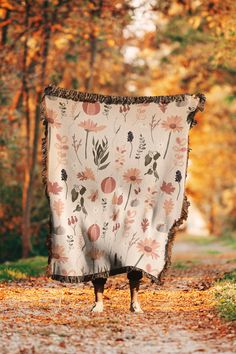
column 117, row 48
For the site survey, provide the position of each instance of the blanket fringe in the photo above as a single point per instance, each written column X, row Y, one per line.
column 53, row 90
column 200, row 107
column 93, row 97
column 44, row 175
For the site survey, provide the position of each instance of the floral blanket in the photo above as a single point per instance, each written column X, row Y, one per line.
column 114, row 171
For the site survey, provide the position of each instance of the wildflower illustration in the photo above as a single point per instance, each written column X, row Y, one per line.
column 178, row 178
column 163, row 106
column 62, row 148
column 124, row 110
column 152, row 156
column 76, row 145
column 104, row 229
column 116, row 228
column 74, row 107
column 167, row 188
column 144, row 224
column 100, row 153
column 132, row 176
column 93, row 195
column 141, row 112
column 86, row 174
column 53, row 187
column 153, row 125
column 172, row 124
column 129, row 219
column 115, row 214
column 59, row 253
column 72, row 221
column 90, row 126
column 106, row 110
column 150, row 197
column 133, row 240
column 78, row 191
column 104, row 203
column 62, row 108
column 180, row 148
column 58, row 206
column 168, row 206
column 141, row 147
column 147, row 247
column 120, row 156
column 64, row 178
column 117, row 200
column 130, row 139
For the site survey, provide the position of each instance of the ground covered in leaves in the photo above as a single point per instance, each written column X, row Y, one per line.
column 39, row 315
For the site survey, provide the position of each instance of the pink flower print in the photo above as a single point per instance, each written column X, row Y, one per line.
column 171, row 124
column 90, row 126
column 72, row 221
column 58, row 253
column 168, row 206
column 132, row 176
column 148, row 247
column 168, row 188
column 93, row 195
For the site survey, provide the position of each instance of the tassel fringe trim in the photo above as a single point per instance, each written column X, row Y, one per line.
column 52, row 90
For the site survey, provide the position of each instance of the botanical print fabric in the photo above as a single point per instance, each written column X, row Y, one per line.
column 115, row 180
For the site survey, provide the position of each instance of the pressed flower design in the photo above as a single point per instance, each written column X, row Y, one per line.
column 64, row 178
column 59, row 253
column 148, row 247
column 168, row 188
column 53, row 187
column 130, row 139
column 178, row 178
column 90, row 126
column 172, row 124
column 132, row 176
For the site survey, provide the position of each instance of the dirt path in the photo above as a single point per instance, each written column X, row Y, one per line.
column 41, row 316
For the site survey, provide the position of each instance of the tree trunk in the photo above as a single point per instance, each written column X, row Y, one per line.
column 95, row 13
column 29, row 180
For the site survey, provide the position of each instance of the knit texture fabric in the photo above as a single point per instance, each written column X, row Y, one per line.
column 114, row 171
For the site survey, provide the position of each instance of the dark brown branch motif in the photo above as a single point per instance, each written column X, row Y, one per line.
column 153, row 125
column 76, row 146
column 141, row 147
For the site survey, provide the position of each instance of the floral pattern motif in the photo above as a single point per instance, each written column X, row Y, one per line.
column 115, row 182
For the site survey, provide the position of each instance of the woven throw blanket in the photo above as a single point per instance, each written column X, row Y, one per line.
column 114, row 171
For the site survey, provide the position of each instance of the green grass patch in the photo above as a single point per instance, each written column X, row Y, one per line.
column 225, row 294
column 229, row 240
column 23, row 268
column 213, row 252
column 184, row 264
column 201, row 240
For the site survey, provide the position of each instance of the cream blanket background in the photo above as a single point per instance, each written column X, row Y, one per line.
column 114, row 170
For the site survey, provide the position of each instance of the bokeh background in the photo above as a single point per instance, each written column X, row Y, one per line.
column 117, row 48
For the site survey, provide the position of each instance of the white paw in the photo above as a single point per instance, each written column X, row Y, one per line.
column 97, row 307
column 135, row 307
